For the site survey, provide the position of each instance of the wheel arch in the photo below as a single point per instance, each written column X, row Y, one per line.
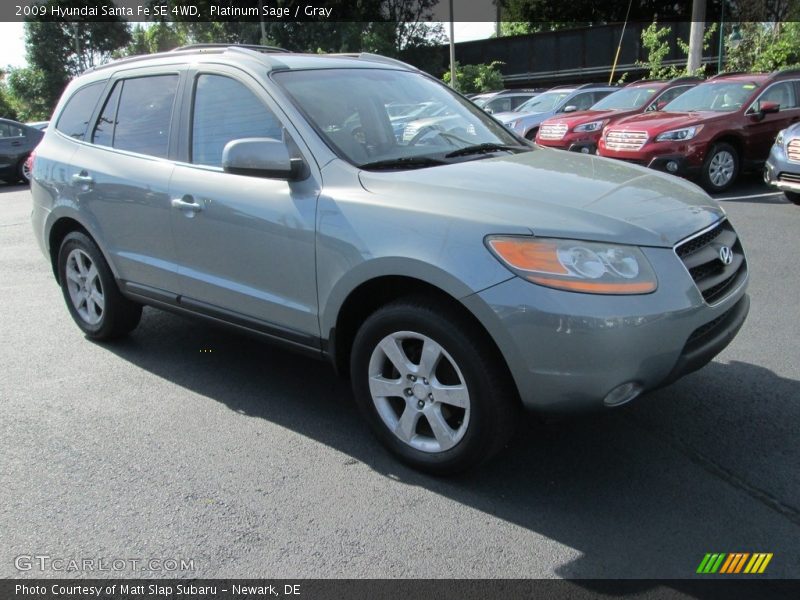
column 61, row 228
column 376, row 292
column 732, row 139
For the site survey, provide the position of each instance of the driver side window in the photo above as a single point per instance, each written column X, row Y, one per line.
column 781, row 93
column 225, row 110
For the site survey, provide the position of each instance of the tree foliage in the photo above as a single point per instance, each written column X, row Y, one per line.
column 764, row 47
column 57, row 51
column 477, row 78
column 7, row 110
column 656, row 40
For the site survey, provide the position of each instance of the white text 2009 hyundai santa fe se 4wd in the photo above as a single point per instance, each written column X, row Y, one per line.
column 454, row 271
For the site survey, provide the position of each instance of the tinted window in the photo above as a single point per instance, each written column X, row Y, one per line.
column 673, row 93
column 144, row 114
column 76, row 114
column 499, row 104
column 7, row 130
column 226, row 110
column 782, row 93
column 103, row 133
column 583, row 101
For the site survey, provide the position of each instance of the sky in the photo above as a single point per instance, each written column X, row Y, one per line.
column 12, row 39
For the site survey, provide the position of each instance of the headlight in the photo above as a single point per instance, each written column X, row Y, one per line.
column 576, row 266
column 779, row 138
column 513, row 124
column 593, row 126
column 679, row 135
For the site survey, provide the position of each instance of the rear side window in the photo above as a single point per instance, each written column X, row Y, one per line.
column 79, row 108
column 225, row 110
column 103, row 133
column 143, row 115
column 10, row 131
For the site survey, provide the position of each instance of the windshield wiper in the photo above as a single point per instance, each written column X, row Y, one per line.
column 404, row 162
column 483, row 149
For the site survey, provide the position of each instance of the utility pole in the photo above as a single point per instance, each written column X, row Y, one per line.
column 696, row 36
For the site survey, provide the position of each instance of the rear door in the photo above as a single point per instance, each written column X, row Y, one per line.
column 246, row 245
column 121, row 177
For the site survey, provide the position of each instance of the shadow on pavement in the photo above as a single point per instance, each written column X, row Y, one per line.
column 625, row 488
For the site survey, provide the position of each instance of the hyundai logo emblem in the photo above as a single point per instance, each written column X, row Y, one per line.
column 725, row 255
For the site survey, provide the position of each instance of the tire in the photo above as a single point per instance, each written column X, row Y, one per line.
column 531, row 135
column 720, row 169
column 793, row 197
column 23, row 173
column 90, row 291
column 439, row 430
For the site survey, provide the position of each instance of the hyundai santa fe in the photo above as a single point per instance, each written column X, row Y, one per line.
column 455, row 277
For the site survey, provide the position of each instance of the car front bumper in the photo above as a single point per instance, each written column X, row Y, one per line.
column 780, row 172
column 568, row 351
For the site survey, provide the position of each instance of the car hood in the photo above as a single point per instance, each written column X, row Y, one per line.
column 587, row 116
column 656, row 122
column 505, row 117
column 555, row 193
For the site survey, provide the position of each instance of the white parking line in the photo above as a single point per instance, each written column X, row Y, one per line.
column 749, row 196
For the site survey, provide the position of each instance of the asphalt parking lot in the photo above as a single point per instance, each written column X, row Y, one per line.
column 186, row 441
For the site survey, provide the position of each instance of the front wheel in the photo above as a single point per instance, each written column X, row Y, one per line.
column 429, row 388
column 91, row 294
column 720, row 168
column 793, row 197
column 531, row 135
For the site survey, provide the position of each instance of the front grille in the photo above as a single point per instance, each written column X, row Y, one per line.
column 620, row 139
column 789, row 177
column 793, row 150
column 701, row 256
column 552, row 132
column 701, row 332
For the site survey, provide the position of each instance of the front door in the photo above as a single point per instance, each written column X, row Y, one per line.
column 245, row 244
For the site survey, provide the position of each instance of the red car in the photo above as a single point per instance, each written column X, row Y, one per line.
column 580, row 131
column 713, row 131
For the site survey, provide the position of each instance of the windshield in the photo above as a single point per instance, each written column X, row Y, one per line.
column 626, row 99
column 352, row 109
column 717, row 97
column 543, row 102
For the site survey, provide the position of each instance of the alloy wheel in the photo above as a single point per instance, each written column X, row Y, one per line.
column 84, row 286
column 721, row 168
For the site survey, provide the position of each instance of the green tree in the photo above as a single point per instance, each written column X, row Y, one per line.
column 7, row 110
column 764, row 47
column 655, row 40
column 477, row 78
column 59, row 50
column 158, row 37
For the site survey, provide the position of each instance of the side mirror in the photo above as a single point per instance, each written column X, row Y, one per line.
column 570, row 108
column 261, row 157
column 766, row 107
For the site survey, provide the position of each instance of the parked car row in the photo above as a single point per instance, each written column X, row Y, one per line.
column 710, row 130
column 17, row 141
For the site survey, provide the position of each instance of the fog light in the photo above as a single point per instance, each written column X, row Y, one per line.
column 585, row 150
column 622, row 394
column 672, row 166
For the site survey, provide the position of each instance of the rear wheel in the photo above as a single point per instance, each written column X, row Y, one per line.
column 720, row 168
column 432, row 393
column 24, row 171
column 91, row 294
column 792, row 197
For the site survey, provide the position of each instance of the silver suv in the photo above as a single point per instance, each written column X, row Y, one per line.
column 455, row 276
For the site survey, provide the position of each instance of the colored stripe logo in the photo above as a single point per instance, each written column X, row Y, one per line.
column 734, row 562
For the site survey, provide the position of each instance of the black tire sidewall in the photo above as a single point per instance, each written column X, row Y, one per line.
column 109, row 325
column 475, row 366
column 706, row 180
column 793, row 197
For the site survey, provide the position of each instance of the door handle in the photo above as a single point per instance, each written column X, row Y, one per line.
column 186, row 203
column 82, row 178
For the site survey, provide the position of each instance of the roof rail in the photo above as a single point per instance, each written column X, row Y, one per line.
column 255, row 47
column 375, row 58
column 718, row 75
column 787, row 71
column 685, row 78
